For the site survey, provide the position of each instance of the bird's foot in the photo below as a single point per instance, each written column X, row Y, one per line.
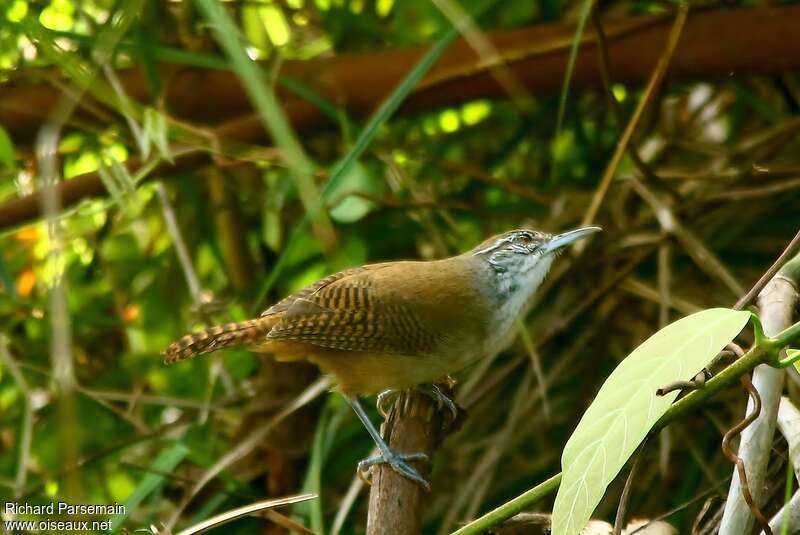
column 442, row 400
column 387, row 397
column 385, row 400
column 399, row 463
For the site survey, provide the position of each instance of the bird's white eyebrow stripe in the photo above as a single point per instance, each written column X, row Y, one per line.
column 495, row 245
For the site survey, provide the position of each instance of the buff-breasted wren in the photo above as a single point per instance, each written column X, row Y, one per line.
column 398, row 325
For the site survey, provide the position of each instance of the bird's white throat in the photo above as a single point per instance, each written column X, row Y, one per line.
column 514, row 291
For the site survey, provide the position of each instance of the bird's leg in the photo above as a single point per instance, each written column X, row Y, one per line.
column 398, row 461
column 429, row 389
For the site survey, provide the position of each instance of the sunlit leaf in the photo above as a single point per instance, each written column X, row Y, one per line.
column 627, row 407
column 350, row 208
column 157, row 130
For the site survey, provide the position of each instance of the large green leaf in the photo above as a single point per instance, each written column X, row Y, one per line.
column 626, row 408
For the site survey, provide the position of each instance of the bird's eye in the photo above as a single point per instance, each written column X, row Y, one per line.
column 524, row 239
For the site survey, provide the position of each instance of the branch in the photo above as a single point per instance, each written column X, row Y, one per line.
column 712, row 45
column 776, row 303
column 789, row 424
column 395, row 502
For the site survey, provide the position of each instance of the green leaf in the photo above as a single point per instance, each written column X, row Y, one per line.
column 350, row 208
column 7, row 157
column 157, row 132
column 166, row 462
column 626, row 408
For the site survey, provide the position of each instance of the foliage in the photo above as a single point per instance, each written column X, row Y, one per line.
column 413, row 182
column 627, row 407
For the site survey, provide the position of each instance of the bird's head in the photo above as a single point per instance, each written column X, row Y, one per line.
column 527, row 252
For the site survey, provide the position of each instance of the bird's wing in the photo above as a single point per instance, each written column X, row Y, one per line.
column 284, row 304
column 347, row 311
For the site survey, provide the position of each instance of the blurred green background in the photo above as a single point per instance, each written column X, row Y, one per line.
column 88, row 411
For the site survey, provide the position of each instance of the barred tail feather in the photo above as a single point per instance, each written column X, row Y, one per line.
column 230, row 334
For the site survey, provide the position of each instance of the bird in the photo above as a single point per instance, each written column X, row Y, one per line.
column 396, row 325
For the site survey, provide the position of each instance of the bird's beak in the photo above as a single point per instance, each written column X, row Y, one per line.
column 562, row 240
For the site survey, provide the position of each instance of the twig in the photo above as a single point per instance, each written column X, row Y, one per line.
column 476, row 172
column 730, row 454
column 26, row 429
column 483, row 469
column 605, row 76
column 246, row 446
column 189, row 273
column 347, row 503
column 784, row 257
column 245, row 510
column 652, row 86
column 488, row 53
column 699, row 518
column 685, row 504
column 755, row 193
column 233, row 238
column 109, row 450
column 619, row 521
column 700, row 253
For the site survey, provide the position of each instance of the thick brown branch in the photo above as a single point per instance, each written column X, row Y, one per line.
column 713, row 43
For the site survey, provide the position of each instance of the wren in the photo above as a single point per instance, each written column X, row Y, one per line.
column 398, row 325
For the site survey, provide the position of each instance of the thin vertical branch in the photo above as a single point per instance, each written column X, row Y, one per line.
column 789, row 425
column 619, row 521
column 185, row 259
column 776, row 304
column 232, row 235
column 26, row 429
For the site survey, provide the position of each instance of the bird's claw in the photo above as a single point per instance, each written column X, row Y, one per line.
column 441, row 399
column 384, row 398
column 431, row 390
column 399, row 463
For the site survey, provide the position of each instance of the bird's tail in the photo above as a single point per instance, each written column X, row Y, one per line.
column 243, row 333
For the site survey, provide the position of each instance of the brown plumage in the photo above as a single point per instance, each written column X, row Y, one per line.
column 230, row 334
column 372, row 327
column 399, row 324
